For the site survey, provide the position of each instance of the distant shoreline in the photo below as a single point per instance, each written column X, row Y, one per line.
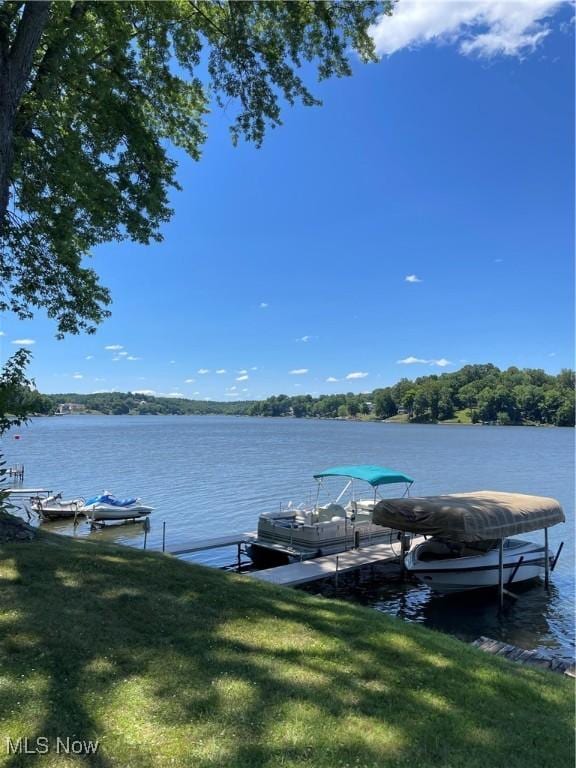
column 350, row 419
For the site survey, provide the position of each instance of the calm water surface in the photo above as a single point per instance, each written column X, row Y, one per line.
column 212, row 475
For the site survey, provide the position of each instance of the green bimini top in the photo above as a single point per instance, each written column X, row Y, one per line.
column 367, row 472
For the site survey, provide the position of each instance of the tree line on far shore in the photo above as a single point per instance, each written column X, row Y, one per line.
column 474, row 394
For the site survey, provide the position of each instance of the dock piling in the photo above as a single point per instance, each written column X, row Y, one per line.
column 164, row 536
column 501, row 574
column 546, row 560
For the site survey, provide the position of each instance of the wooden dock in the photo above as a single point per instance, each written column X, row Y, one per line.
column 27, row 492
column 522, row 656
column 198, row 545
column 329, row 565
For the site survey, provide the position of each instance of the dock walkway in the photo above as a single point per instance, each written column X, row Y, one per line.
column 27, row 492
column 198, row 545
column 329, row 565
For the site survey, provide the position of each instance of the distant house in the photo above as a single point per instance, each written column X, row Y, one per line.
column 71, row 408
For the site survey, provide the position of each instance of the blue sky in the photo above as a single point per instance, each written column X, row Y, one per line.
column 422, row 218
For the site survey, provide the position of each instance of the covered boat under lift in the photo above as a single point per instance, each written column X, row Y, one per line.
column 470, row 546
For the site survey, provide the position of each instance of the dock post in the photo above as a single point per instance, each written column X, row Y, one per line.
column 164, row 536
column 501, row 574
column 239, row 556
column 145, row 536
column 404, row 547
column 546, row 560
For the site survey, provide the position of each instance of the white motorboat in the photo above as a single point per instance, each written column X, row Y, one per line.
column 450, row 567
column 470, row 545
column 108, row 507
column 343, row 522
column 53, row 507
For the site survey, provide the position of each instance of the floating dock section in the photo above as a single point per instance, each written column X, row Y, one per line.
column 330, row 565
column 522, row 656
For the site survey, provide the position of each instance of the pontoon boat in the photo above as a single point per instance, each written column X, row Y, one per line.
column 345, row 521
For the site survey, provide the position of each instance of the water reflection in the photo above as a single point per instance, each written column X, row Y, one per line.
column 532, row 619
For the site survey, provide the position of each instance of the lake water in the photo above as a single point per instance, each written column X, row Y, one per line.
column 212, row 475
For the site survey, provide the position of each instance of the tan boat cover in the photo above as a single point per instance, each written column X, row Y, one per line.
column 470, row 516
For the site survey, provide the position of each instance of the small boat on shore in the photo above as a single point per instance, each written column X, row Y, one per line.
column 471, row 545
column 107, row 507
column 342, row 522
column 55, row 507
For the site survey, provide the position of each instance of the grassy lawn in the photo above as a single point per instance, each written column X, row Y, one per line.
column 169, row 664
column 460, row 417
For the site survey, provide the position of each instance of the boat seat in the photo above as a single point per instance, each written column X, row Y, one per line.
column 327, row 513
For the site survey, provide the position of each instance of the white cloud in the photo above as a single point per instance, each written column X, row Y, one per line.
column 133, row 357
column 551, row 354
column 151, row 392
column 412, row 279
column 2, row 333
column 221, row 370
column 306, row 339
column 498, row 261
column 171, row 362
column 298, row 371
column 174, row 394
column 254, row 368
column 242, row 372
column 114, row 347
column 264, row 305
column 203, row 371
column 245, row 389
column 231, row 394
column 242, row 378
column 190, row 381
column 412, row 360
column 441, row 362
column 89, row 357
column 331, row 379
column 24, row 342
column 357, row 375
column 78, row 376
column 122, row 354
column 484, row 28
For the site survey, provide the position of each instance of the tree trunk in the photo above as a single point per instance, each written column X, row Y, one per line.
column 15, row 69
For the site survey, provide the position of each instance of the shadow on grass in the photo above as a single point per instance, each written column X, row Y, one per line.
column 172, row 664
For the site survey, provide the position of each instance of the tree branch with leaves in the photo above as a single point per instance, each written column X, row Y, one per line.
column 93, row 94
